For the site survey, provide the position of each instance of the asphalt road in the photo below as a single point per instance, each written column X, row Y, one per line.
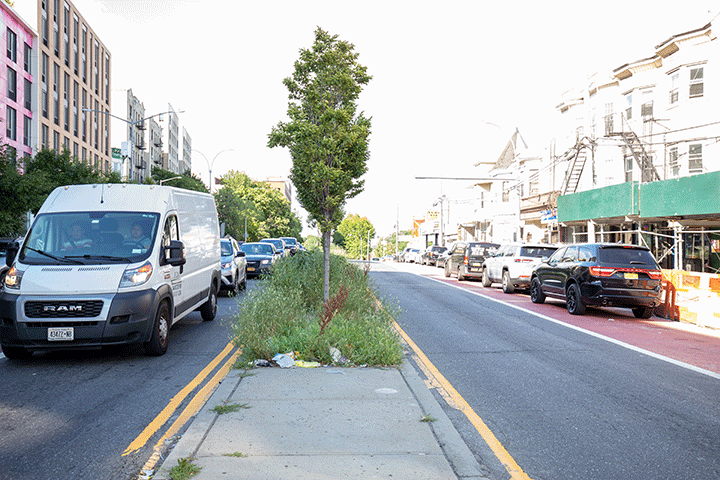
column 73, row 414
column 563, row 403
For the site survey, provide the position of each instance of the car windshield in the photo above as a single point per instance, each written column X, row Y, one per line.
column 537, row 252
column 289, row 240
column 257, row 249
column 226, row 248
column 90, row 238
column 626, row 256
column 278, row 243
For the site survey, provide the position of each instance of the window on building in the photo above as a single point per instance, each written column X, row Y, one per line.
column 83, row 48
column 696, row 82
column 44, row 25
column 75, row 108
column 44, row 100
column 84, row 116
column 66, row 34
column 11, row 123
column 56, row 93
column 506, row 191
column 674, row 88
column 11, row 40
column 609, row 119
column 27, row 55
column 628, row 109
column 45, row 136
column 673, row 161
column 628, row 168
column 27, row 130
column 56, row 28
column 28, row 94
column 12, row 84
column 96, row 67
column 56, row 141
column 695, row 164
column 646, row 110
column 66, row 102
column 76, row 33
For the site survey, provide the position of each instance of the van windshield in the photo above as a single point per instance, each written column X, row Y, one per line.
column 90, row 238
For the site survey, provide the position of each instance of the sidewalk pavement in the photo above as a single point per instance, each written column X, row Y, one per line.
column 324, row 423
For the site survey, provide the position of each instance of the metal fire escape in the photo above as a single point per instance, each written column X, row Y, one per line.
column 636, row 148
column 577, row 156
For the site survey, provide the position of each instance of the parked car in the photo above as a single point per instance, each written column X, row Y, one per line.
column 466, row 259
column 4, row 267
column 442, row 258
column 513, row 263
column 431, row 255
column 413, row 256
column 602, row 275
column 234, row 265
column 291, row 244
column 279, row 245
column 403, row 256
column 260, row 257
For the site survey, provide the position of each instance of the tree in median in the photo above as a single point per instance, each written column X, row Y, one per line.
column 327, row 139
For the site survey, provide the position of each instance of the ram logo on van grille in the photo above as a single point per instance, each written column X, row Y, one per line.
column 81, row 308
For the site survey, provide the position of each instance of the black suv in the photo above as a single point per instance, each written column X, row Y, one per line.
column 466, row 259
column 431, row 255
column 600, row 274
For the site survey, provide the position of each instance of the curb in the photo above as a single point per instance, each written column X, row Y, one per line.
column 461, row 459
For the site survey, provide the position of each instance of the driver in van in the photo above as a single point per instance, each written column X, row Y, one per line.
column 77, row 239
column 138, row 237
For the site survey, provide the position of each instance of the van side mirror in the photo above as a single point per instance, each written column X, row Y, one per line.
column 11, row 253
column 173, row 254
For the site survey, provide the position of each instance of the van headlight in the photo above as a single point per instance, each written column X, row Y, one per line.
column 13, row 277
column 132, row 277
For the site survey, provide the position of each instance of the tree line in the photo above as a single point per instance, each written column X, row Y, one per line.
column 24, row 186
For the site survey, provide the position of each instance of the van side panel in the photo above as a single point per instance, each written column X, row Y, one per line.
column 200, row 233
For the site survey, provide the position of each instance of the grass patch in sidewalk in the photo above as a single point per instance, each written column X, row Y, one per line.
column 184, row 469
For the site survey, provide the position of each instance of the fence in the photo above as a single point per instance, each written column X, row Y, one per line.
column 691, row 297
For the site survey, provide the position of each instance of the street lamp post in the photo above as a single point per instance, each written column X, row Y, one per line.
column 210, row 164
column 132, row 125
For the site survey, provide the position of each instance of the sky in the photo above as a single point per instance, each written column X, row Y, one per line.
column 451, row 80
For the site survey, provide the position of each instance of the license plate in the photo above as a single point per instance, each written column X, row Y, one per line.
column 631, row 276
column 59, row 334
column 476, row 264
column 250, row 269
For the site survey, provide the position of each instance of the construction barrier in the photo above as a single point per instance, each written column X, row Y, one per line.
column 691, row 297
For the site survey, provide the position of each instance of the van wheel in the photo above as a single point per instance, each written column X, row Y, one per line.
column 536, row 293
column 575, row 304
column 16, row 353
column 507, row 284
column 643, row 312
column 209, row 308
column 158, row 343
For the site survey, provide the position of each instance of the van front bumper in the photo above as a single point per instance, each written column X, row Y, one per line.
column 123, row 318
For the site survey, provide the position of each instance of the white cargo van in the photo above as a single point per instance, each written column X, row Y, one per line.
column 109, row 265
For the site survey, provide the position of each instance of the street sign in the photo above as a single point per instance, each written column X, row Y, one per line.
column 116, row 153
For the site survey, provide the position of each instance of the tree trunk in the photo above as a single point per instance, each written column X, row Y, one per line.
column 327, row 238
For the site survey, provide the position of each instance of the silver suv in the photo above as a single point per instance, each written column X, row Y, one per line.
column 513, row 263
column 234, row 265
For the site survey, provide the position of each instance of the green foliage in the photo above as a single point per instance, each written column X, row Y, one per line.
column 283, row 315
column 184, row 469
column 327, row 139
column 42, row 174
column 266, row 209
column 188, row 180
column 354, row 231
column 229, row 408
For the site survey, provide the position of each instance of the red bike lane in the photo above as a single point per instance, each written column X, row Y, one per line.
column 682, row 342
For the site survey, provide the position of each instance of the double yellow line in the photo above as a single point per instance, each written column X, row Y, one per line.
column 516, row 473
column 191, row 409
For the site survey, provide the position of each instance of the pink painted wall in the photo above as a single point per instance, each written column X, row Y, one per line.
column 25, row 35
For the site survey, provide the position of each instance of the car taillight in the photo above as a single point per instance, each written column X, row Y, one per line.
column 655, row 274
column 601, row 271
column 465, row 260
